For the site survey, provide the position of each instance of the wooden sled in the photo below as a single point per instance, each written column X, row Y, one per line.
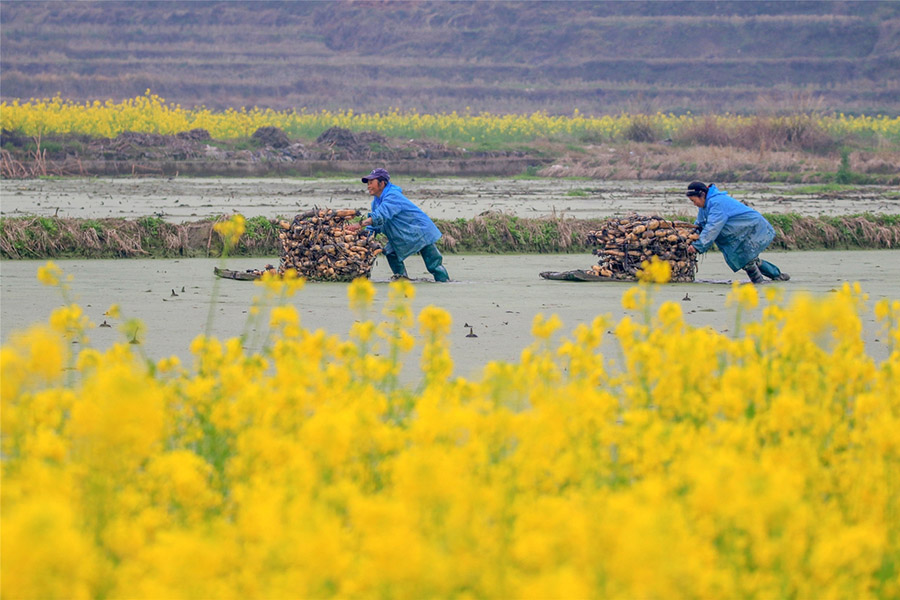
column 577, row 275
column 248, row 275
column 254, row 274
column 589, row 275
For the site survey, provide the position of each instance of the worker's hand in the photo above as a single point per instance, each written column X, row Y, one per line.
column 353, row 227
column 691, row 249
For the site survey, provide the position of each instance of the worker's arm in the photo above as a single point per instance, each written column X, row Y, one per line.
column 715, row 221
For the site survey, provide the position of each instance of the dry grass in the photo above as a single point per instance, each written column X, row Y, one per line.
column 806, row 233
column 496, row 232
column 656, row 161
column 50, row 237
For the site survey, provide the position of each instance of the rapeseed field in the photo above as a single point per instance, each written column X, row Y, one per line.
column 152, row 114
column 760, row 464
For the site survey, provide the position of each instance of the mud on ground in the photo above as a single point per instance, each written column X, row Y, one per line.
column 498, row 296
column 269, row 152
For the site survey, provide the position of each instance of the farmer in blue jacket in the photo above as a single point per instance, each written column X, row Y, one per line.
column 407, row 228
column 740, row 232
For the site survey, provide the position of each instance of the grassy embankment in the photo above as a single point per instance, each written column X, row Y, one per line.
column 52, row 237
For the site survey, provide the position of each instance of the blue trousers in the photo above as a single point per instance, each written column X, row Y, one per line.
column 433, row 262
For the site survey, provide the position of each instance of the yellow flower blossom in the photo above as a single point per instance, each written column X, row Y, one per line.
column 743, row 295
column 766, row 460
column 231, row 230
column 635, row 298
column 435, row 321
column 49, row 274
column 361, row 293
column 655, row 271
column 544, row 327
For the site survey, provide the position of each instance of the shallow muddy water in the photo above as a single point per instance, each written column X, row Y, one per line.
column 498, row 296
column 182, row 199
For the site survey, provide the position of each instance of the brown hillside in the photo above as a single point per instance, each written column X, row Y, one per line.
column 599, row 57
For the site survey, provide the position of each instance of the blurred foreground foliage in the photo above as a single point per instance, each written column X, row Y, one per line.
column 764, row 463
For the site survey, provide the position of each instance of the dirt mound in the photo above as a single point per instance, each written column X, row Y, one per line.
column 196, row 152
column 132, row 145
column 342, row 143
column 271, row 136
column 13, row 138
column 145, row 140
column 197, row 135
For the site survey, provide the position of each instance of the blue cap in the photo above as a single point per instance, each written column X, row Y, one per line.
column 377, row 174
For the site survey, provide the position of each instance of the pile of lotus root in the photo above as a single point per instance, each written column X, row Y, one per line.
column 623, row 244
column 320, row 247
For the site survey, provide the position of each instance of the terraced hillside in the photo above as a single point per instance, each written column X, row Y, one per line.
column 598, row 57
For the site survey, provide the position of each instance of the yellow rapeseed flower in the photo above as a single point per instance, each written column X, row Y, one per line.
column 655, row 271
column 544, row 327
column 312, row 468
column 361, row 293
column 231, row 230
column 49, row 274
column 435, row 321
column 743, row 295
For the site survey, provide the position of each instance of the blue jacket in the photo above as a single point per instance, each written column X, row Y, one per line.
column 740, row 232
column 407, row 228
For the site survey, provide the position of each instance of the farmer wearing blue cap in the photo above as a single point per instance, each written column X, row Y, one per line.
column 740, row 232
column 407, row 228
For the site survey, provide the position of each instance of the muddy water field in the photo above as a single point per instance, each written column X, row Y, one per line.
column 180, row 199
column 496, row 296
column 492, row 298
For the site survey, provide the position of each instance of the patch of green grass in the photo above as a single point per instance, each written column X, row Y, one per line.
column 824, row 188
column 549, row 234
column 48, row 224
column 97, row 226
column 51, row 146
column 512, row 226
column 237, row 144
column 851, row 178
column 529, row 173
column 783, row 221
column 151, row 224
column 779, row 176
column 845, row 176
column 259, row 228
column 577, row 192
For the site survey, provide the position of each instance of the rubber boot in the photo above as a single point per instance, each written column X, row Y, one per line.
column 396, row 265
column 755, row 274
column 772, row 272
column 434, row 262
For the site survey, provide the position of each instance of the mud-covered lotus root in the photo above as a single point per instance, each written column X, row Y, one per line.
column 624, row 243
column 319, row 246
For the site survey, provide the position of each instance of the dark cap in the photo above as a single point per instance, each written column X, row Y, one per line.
column 696, row 188
column 377, row 174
